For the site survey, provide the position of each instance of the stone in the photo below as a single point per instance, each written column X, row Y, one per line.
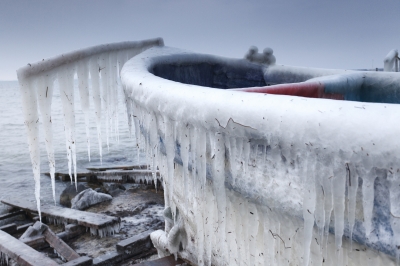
column 113, row 189
column 69, row 193
column 87, row 198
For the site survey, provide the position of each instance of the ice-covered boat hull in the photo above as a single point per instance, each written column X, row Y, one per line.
column 291, row 161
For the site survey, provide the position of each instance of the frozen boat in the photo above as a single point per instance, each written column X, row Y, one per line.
column 264, row 178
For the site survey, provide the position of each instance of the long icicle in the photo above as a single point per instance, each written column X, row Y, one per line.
column 44, row 90
column 66, row 79
column 31, row 121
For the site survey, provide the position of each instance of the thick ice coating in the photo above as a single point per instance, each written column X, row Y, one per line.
column 265, row 179
column 37, row 83
column 249, row 179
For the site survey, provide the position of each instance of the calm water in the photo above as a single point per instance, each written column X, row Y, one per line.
column 16, row 178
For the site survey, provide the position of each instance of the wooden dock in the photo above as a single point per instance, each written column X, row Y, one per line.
column 119, row 174
column 119, row 167
column 23, row 254
column 165, row 261
column 67, row 215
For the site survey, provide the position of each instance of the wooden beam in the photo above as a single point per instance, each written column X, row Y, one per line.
column 36, row 242
column 121, row 167
column 114, row 257
column 108, row 176
column 60, row 246
column 9, row 228
column 81, row 261
column 136, row 244
column 22, row 228
column 11, row 214
column 87, row 219
column 23, row 254
column 166, row 261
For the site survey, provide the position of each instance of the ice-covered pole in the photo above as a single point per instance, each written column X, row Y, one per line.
column 391, row 61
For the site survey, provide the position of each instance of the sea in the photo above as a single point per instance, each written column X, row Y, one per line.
column 16, row 176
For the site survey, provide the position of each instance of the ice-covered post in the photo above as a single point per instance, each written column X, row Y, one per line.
column 391, row 61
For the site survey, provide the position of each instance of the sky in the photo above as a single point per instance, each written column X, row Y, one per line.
column 348, row 34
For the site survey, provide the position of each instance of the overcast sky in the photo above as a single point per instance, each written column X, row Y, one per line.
column 316, row 33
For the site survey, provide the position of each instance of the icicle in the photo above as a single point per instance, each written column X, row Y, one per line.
column 394, row 179
column 153, row 132
column 368, row 197
column 253, row 222
column 170, row 149
column 31, row 121
column 83, row 85
column 44, row 89
column 66, row 78
column 352, row 186
column 219, row 189
column 184, row 141
column 104, row 69
column 308, row 203
column 209, row 224
column 4, row 259
column 338, row 190
column 94, row 70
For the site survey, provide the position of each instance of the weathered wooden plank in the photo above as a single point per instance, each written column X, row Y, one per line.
column 22, row 228
column 81, row 261
column 31, row 238
column 65, row 177
column 11, row 214
column 9, row 228
column 71, row 231
column 122, row 176
column 36, row 242
column 23, row 254
column 136, row 244
column 60, row 246
column 115, row 257
column 122, row 167
column 166, row 261
column 87, row 219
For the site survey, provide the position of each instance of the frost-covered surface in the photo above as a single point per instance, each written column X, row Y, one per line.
column 87, row 198
column 257, row 178
column 102, row 64
column 261, row 178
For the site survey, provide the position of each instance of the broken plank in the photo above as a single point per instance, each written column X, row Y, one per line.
column 36, row 242
column 11, row 214
column 60, row 246
column 22, row 228
column 67, row 215
column 122, row 167
column 71, row 231
column 21, row 253
column 115, row 257
column 165, row 261
column 9, row 228
column 136, row 244
column 81, row 261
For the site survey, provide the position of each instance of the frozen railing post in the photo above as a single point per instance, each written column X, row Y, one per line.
column 100, row 63
column 391, row 62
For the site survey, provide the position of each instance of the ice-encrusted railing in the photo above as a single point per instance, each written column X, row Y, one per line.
column 257, row 178
column 96, row 68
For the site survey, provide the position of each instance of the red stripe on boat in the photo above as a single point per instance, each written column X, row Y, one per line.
column 303, row 89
